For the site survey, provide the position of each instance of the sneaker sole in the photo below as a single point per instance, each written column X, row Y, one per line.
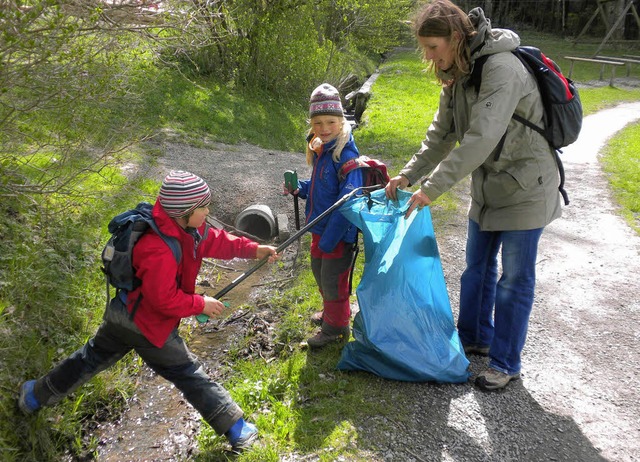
column 239, row 448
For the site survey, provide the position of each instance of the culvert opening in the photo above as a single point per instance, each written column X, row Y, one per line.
column 257, row 220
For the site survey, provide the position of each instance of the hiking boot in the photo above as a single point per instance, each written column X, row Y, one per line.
column 329, row 334
column 316, row 318
column 27, row 401
column 491, row 379
column 242, row 438
column 479, row 350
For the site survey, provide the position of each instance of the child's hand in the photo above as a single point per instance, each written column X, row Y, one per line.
column 212, row 307
column 267, row 251
column 285, row 191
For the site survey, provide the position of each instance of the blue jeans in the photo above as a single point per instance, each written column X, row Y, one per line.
column 494, row 312
column 116, row 336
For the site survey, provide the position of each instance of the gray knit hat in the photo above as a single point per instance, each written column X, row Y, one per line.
column 183, row 192
column 325, row 100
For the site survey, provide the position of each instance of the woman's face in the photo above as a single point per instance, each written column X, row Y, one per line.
column 438, row 50
column 326, row 127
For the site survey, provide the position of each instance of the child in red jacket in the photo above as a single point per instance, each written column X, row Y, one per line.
column 165, row 296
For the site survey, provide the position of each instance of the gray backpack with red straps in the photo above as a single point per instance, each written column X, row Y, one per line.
column 562, row 106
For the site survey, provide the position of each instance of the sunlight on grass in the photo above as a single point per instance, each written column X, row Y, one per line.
column 621, row 160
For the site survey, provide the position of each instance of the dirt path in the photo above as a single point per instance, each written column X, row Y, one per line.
column 583, row 356
column 578, row 399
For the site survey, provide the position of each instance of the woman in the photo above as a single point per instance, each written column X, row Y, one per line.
column 514, row 177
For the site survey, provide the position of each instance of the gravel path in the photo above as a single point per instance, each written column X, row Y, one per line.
column 578, row 399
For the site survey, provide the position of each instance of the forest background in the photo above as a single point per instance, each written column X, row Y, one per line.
column 83, row 85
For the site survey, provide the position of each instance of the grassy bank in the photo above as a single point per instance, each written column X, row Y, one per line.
column 52, row 292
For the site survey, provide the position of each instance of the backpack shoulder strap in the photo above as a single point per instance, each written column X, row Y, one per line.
column 348, row 166
column 475, row 79
column 146, row 210
column 172, row 242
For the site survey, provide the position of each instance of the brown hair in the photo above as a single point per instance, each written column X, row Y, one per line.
column 441, row 18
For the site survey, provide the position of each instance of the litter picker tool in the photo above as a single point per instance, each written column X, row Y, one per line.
column 203, row 317
column 291, row 183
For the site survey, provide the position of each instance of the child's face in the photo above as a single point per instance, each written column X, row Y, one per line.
column 326, row 127
column 198, row 216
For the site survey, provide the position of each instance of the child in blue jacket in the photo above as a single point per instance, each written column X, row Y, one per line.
column 329, row 145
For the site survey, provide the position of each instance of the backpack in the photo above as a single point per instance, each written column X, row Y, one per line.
column 560, row 99
column 374, row 173
column 117, row 255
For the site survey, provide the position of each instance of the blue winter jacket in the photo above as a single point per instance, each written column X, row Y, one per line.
column 324, row 189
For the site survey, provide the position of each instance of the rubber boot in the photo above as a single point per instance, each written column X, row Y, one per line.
column 329, row 334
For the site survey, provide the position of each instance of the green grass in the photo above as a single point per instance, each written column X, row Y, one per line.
column 207, row 110
column 621, row 160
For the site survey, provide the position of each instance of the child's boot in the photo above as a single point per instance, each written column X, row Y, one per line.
column 27, row 401
column 316, row 318
column 329, row 334
column 242, row 435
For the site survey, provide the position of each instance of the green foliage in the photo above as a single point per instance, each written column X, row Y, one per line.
column 596, row 99
column 288, row 46
column 399, row 111
column 621, row 159
column 52, row 294
column 203, row 109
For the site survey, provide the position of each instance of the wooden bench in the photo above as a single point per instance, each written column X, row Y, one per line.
column 626, row 60
column 602, row 62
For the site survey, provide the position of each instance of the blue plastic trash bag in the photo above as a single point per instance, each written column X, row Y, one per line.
column 404, row 329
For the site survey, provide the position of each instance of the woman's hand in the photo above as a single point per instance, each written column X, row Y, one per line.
column 396, row 182
column 267, row 251
column 417, row 200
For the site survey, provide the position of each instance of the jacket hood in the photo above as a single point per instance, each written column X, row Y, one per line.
column 489, row 41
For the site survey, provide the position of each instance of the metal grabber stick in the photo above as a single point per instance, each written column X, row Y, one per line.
column 204, row 318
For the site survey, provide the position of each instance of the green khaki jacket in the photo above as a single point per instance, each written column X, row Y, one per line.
column 513, row 188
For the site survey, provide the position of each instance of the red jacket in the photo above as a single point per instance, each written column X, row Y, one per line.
column 165, row 301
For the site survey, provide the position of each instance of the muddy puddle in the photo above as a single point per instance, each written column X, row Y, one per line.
column 159, row 424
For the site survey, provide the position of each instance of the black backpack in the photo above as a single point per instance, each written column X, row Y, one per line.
column 562, row 106
column 117, row 255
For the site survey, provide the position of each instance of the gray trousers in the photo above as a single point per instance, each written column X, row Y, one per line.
column 116, row 336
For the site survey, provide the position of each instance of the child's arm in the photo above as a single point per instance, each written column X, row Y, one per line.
column 224, row 246
column 338, row 225
column 303, row 188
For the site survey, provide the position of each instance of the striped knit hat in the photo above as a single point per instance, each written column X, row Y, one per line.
column 325, row 100
column 183, row 192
